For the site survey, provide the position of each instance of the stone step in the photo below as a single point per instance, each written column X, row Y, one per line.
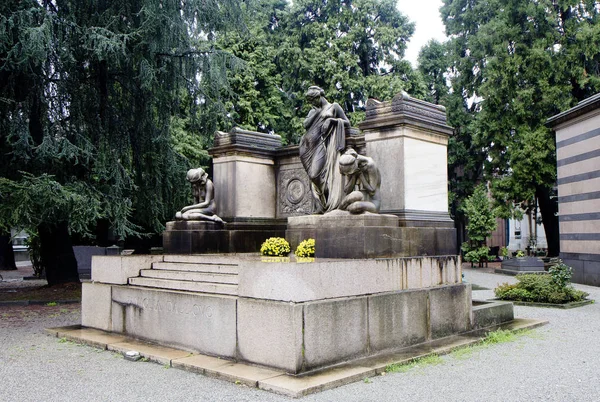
column 201, row 287
column 201, row 259
column 195, row 267
column 191, row 276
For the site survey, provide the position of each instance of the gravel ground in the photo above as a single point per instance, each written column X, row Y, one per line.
column 558, row 362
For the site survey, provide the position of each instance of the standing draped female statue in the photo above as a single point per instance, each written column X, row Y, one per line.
column 320, row 149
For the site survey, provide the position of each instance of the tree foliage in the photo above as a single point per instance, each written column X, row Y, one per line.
column 481, row 222
column 88, row 94
column 514, row 64
column 353, row 49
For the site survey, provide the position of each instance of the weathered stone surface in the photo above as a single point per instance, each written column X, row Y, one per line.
column 370, row 236
column 270, row 333
column 117, row 269
column 317, row 280
column 486, row 313
column 450, row 310
column 239, row 236
column 96, row 306
column 202, row 323
column 397, row 319
column 523, row 264
column 335, row 330
column 156, row 353
column 325, row 279
column 245, row 186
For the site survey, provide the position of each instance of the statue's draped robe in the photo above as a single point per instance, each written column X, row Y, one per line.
column 320, row 153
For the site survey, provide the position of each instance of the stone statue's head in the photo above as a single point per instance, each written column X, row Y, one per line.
column 314, row 93
column 197, row 175
column 348, row 162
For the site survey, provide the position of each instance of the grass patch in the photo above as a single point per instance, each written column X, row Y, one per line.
column 421, row 362
column 499, row 336
column 462, row 353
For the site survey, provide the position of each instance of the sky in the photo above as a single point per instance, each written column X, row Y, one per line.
column 428, row 24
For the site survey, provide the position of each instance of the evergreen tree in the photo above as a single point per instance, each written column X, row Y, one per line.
column 353, row 49
column 88, row 91
column 516, row 63
column 481, row 222
column 434, row 65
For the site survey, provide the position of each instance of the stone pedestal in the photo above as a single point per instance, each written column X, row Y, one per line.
column 408, row 139
column 236, row 236
column 521, row 265
column 368, row 236
column 244, row 174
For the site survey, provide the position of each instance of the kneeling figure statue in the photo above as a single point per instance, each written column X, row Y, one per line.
column 362, row 185
column 204, row 207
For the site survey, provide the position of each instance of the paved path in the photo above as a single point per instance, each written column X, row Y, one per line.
column 558, row 362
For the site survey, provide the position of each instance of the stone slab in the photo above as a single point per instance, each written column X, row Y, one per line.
column 117, row 269
column 299, row 282
column 523, row 264
column 200, row 287
column 486, row 313
column 270, row 333
column 218, row 240
column 397, row 319
column 450, row 310
column 153, row 352
column 201, row 323
column 300, row 386
column 91, row 336
column 297, row 386
column 335, row 331
column 198, row 363
column 96, row 305
column 242, row 373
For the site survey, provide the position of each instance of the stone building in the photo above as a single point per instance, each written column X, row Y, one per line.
column 578, row 178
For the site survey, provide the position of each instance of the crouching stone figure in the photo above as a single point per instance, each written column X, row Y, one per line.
column 363, row 181
column 204, row 207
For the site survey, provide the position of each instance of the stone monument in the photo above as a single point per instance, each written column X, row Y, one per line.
column 299, row 317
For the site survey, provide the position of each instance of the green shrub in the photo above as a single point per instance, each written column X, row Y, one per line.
column 306, row 248
column 275, row 246
column 520, row 253
column 539, row 288
column 476, row 255
column 561, row 273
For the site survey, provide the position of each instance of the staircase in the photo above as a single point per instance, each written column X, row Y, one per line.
column 190, row 273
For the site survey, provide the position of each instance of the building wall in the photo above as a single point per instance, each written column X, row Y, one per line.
column 578, row 179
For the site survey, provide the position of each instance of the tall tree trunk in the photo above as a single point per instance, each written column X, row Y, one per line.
column 7, row 256
column 57, row 254
column 549, row 211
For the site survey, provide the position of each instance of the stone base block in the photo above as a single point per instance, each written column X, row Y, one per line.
column 334, row 331
column 194, row 237
column 96, row 306
column 488, row 313
column 196, row 322
column 369, row 236
column 450, row 310
column 523, row 264
column 270, row 333
column 397, row 319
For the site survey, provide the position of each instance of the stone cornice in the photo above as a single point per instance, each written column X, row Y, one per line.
column 404, row 110
column 239, row 141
